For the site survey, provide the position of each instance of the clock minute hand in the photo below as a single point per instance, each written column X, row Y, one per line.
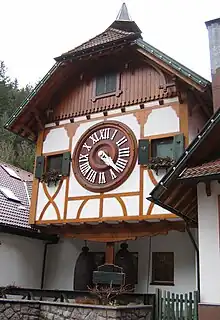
column 107, row 160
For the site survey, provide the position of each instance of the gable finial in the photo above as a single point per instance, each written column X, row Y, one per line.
column 123, row 14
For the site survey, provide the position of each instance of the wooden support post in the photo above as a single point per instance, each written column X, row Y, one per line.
column 109, row 253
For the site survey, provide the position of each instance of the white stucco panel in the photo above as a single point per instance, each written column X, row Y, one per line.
column 56, row 140
column 90, row 209
column 75, row 188
column 132, row 184
column 161, row 121
column 72, row 209
column 132, row 205
column 83, row 127
column 50, row 213
column 148, row 187
column 59, row 199
column 131, row 121
column 41, row 201
column 112, row 208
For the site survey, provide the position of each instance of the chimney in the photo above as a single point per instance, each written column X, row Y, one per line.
column 213, row 27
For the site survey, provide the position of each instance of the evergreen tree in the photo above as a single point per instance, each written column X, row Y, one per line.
column 13, row 149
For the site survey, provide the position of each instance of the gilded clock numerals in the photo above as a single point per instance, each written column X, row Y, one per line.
column 102, row 178
column 121, row 141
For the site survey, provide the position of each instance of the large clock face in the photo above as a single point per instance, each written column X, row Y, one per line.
column 105, row 156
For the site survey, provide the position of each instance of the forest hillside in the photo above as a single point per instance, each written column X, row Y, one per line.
column 13, row 149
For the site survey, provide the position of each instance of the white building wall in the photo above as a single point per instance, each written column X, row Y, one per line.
column 21, row 261
column 208, row 215
column 61, row 260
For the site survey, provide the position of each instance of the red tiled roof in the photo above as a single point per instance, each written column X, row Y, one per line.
column 14, row 213
column 206, row 169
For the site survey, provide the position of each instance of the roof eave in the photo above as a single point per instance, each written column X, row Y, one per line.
column 170, row 64
column 96, row 49
column 179, row 166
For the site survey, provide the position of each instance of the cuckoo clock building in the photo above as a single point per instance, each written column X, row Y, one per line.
column 109, row 120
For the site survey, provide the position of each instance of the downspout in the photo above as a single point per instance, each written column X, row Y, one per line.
column 44, row 261
column 197, row 255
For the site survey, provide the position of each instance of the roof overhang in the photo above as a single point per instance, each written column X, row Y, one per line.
column 27, row 120
column 181, row 194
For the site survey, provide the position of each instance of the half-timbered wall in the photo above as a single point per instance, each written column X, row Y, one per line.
column 60, row 275
column 70, row 202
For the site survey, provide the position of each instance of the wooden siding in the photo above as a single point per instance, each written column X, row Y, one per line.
column 139, row 85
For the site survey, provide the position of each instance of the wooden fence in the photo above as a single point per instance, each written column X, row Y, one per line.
column 172, row 306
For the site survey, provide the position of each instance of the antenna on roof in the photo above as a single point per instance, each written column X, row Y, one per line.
column 123, row 14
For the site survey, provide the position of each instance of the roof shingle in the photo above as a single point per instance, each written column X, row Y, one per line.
column 14, row 213
column 206, row 169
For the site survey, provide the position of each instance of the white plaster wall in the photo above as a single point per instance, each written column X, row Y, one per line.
column 21, row 261
column 196, row 123
column 160, row 121
column 60, row 263
column 56, row 140
column 208, row 216
column 62, row 257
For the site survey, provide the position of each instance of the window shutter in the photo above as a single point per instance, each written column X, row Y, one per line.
column 66, row 164
column 143, row 151
column 39, row 169
column 178, row 146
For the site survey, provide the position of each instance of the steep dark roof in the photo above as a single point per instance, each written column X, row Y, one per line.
column 122, row 32
column 13, row 213
column 109, row 36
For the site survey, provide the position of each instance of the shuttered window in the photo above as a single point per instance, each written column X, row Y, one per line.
column 55, row 163
column 59, row 163
column 106, row 84
column 172, row 147
column 162, row 148
column 162, row 268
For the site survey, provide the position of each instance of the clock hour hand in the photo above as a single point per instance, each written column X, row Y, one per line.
column 107, row 160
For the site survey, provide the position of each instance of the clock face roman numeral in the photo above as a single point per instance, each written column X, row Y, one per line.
column 113, row 175
column 102, row 178
column 87, row 147
column 83, row 157
column 124, row 152
column 84, row 168
column 94, row 137
column 121, row 141
column 104, row 134
column 91, row 176
column 121, row 164
column 114, row 134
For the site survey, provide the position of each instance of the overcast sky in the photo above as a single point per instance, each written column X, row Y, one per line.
column 33, row 32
